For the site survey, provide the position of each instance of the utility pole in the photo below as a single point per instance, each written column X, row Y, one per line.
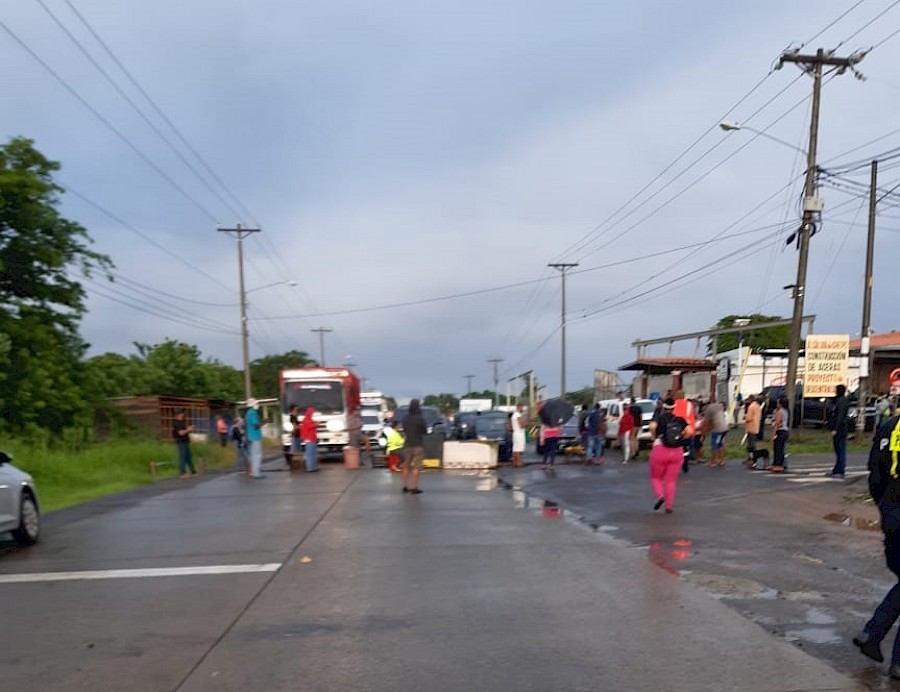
column 240, row 233
column 864, row 386
column 495, row 362
column 322, row 331
column 811, row 204
column 563, row 267
column 468, row 379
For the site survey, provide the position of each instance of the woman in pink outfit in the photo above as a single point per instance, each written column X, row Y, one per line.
column 667, row 455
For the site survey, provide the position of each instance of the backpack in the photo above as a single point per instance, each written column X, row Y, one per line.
column 671, row 436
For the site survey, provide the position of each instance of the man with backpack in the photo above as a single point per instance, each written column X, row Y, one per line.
column 668, row 431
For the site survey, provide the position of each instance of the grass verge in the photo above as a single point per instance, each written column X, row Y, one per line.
column 66, row 478
column 802, row 441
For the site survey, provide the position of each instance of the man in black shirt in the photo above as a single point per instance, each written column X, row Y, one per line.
column 414, row 429
column 181, row 433
column 839, row 424
column 884, row 486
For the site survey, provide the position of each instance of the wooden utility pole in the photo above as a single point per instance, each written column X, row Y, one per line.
column 495, row 362
column 812, row 205
column 563, row 267
column 322, row 331
column 240, row 233
column 864, row 385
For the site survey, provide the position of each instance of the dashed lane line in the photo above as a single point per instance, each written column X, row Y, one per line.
column 138, row 573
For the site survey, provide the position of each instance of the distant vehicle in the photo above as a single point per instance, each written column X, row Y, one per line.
column 19, row 509
column 466, row 405
column 373, row 407
column 813, row 411
column 492, row 427
column 332, row 392
column 434, row 419
column 614, row 408
column 464, row 425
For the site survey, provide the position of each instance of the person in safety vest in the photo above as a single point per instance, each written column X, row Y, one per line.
column 394, row 444
column 884, row 486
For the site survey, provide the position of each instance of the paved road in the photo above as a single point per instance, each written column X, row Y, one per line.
column 794, row 552
column 337, row 581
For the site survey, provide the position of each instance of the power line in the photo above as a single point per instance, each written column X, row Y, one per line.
column 165, row 176
column 136, row 108
column 160, row 112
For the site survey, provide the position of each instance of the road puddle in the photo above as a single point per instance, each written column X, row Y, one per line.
column 860, row 523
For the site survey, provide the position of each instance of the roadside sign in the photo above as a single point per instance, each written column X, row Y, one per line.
column 827, row 357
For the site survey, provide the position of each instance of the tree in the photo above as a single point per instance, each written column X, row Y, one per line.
column 755, row 339
column 446, row 403
column 41, row 299
column 264, row 371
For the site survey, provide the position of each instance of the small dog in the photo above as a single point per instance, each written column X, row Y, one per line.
column 760, row 459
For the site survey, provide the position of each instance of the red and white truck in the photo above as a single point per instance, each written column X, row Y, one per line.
column 332, row 393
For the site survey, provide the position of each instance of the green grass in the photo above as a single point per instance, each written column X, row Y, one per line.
column 66, row 478
column 802, row 441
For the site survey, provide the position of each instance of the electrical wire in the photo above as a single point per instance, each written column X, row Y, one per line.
column 97, row 114
column 161, row 113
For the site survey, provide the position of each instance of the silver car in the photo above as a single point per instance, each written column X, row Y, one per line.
column 19, row 510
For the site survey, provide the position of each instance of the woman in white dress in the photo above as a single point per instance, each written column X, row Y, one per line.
column 518, row 436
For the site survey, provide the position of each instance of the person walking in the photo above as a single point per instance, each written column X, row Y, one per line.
column 626, row 426
column 415, row 429
column 518, row 435
column 839, row 424
column 884, row 487
column 549, row 439
column 254, row 438
column 637, row 415
column 686, row 411
column 667, row 454
column 595, row 442
column 781, row 428
column 222, row 431
column 181, row 433
column 718, row 430
column 752, row 421
column 309, row 434
column 241, row 457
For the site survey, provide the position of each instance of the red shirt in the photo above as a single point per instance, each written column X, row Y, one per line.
column 626, row 422
column 308, row 430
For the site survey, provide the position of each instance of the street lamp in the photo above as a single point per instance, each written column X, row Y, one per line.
column 729, row 126
column 290, row 282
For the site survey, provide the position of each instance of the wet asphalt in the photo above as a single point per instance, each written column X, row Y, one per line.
column 473, row 585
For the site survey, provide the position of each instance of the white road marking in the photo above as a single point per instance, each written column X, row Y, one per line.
column 137, row 573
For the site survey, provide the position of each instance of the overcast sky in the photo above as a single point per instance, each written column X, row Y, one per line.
column 401, row 151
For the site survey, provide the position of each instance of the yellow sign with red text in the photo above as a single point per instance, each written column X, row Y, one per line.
column 827, row 357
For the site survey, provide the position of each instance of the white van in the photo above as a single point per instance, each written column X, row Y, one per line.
column 613, row 408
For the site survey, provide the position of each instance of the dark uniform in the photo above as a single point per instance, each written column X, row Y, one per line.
column 884, row 486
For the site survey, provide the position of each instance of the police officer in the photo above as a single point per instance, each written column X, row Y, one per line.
column 884, row 486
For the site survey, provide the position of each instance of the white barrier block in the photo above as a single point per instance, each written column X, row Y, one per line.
column 470, row 454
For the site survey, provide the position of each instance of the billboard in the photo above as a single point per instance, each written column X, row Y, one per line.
column 827, row 358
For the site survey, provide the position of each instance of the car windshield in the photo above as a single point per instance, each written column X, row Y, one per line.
column 370, row 419
column 647, row 406
column 324, row 396
column 490, row 424
column 431, row 415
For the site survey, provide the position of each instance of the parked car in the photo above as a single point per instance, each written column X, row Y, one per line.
column 569, row 434
column 434, row 420
column 464, row 425
column 613, row 408
column 494, row 427
column 813, row 411
column 19, row 509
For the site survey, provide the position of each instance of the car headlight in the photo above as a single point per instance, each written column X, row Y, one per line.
column 335, row 425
